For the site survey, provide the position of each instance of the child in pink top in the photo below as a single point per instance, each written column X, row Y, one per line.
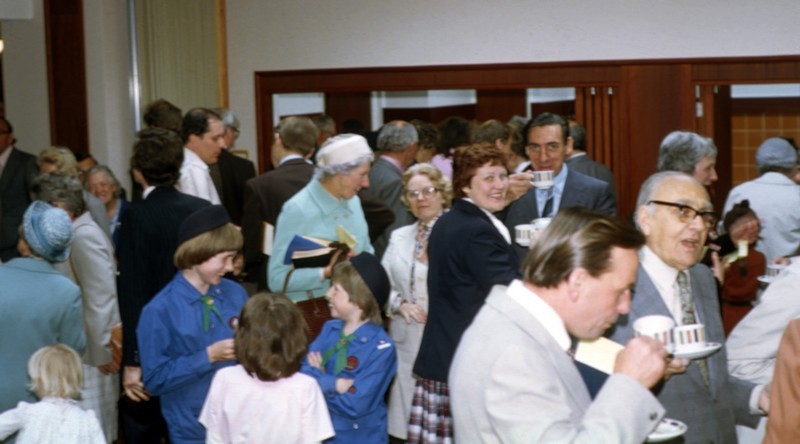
column 265, row 399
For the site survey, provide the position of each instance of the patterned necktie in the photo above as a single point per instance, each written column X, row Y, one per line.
column 340, row 349
column 688, row 317
column 208, row 306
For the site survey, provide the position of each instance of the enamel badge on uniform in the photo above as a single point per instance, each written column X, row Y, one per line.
column 233, row 322
column 352, row 363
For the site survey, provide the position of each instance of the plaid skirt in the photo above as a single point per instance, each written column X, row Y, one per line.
column 430, row 421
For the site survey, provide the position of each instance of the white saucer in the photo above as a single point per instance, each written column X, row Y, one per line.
column 764, row 279
column 667, row 429
column 709, row 349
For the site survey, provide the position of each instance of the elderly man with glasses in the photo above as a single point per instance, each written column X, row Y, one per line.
column 674, row 213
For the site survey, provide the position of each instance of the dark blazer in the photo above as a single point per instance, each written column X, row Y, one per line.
column 466, row 257
column 580, row 190
column 264, row 197
column 235, row 171
column 710, row 414
column 15, row 184
column 386, row 184
column 148, row 239
column 586, row 165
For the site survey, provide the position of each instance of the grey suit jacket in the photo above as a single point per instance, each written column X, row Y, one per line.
column 580, row 190
column 711, row 415
column 586, row 165
column 92, row 266
column 510, row 382
column 386, row 183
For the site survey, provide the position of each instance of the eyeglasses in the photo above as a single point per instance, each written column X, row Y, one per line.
column 686, row 214
column 551, row 149
column 419, row 194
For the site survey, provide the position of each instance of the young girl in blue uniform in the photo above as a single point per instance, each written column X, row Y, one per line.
column 185, row 332
column 353, row 358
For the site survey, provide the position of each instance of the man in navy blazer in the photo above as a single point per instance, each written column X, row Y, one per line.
column 547, row 142
column 17, row 171
column 147, row 242
column 674, row 213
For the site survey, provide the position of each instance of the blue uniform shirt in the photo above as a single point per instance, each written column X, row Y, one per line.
column 358, row 415
column 172, row 349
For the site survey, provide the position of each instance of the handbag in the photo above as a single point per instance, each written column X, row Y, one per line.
column 314, row 309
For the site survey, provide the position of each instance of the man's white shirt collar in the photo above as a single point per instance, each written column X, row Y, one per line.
column 540, row 310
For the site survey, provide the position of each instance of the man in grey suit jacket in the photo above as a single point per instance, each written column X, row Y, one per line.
column 397, row 144
column 674, row 213
column 512, row 379
column 548, row 140
column 578, row 159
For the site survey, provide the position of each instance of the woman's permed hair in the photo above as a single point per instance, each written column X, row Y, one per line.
column 346, row 275
column 468, row 159
column 203, row 247
column 56, row 371
column 271, row 338
column 439, row 180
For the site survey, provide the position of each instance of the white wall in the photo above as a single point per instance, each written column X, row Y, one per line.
column 107, row 75
column 305, row 34
column 25, row 80
column 111, row 120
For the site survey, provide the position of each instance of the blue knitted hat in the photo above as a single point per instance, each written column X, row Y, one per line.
column 48, row 231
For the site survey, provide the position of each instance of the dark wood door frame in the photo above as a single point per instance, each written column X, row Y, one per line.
column 657, row 96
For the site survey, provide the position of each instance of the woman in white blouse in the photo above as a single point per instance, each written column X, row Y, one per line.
column 427, row 194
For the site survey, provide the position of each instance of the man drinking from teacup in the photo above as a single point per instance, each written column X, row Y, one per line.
column 513, row 378
column 674, row 213
column 547, row 141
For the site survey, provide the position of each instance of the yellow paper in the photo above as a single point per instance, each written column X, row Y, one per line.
column 346, row 237
column 600, row 354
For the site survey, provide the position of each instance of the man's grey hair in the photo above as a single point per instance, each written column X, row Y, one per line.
column 227, row 117
column 396, row 136
column 650, row 186
column 682, row 150
column 60, row 188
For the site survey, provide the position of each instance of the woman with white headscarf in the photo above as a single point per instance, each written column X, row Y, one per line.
column 321, row 209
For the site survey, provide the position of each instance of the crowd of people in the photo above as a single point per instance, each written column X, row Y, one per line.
column 178, row 311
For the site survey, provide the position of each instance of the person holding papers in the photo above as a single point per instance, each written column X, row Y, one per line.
column 328, row 209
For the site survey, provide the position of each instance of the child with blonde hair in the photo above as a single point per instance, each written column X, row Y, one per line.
column 56, row 374
column 265, row 399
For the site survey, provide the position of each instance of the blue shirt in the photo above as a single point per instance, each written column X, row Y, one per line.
column 358, row 415
column 559, row 181
column 172, row 349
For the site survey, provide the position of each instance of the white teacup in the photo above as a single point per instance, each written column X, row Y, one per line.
column 657, row 327
column 773, row 270
column 689, row 338
column 523, row 234
column 543, row 179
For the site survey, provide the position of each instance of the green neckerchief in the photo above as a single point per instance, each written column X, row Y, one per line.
column 208, row 305
column 340, row 348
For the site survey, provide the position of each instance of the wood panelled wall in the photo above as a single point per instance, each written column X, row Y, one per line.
column 66, row 74
column 650, row 99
